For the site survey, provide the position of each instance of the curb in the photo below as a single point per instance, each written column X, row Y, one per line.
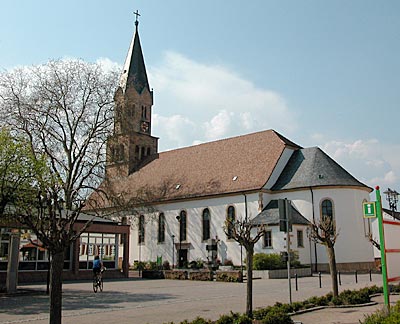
column 309, row 310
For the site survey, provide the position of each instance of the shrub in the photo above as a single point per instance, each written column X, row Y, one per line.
column 139, row 265
column 349, row 297
column 276, row 316
column 262, row 261
column 197, row 320
column 243, row 319
column 261, row 313
column 381, row 316
column 166, row 265
column 229, row 319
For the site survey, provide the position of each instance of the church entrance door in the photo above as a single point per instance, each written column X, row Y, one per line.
column 183, row 257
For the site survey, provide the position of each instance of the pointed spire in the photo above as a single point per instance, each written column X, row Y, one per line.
column 134, row 72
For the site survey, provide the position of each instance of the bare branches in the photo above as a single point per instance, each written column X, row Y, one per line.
column 324, row 231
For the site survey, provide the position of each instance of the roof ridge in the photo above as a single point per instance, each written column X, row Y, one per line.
column 281, row 137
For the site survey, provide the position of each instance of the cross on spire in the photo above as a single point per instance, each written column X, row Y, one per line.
column 137, row 15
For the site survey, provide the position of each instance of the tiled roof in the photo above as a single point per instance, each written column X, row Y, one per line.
column 270, row 215
column 311, row 167
column 226, row 166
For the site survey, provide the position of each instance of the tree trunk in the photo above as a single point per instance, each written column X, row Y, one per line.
column 332, row 268
column 249, row 298
column 56, row 268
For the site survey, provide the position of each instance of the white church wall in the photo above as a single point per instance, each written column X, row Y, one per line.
column 227, row 249
column 352, row 244
column 279, row 243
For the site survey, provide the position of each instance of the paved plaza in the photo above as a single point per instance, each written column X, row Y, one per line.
column 161, row 301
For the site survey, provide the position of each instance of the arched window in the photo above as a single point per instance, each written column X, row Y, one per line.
column 206, row 224
column 161, row 228
column 141, row 229
column 230, row 219
column 327, row 219
column 182, row 225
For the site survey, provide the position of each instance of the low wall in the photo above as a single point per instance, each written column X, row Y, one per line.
column 41, row 276
column 281, row 273
column 351, row 266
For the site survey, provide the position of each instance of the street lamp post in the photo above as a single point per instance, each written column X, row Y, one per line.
column 179, row 218
column 392, row 196
column 308, row 232
column 173, row 251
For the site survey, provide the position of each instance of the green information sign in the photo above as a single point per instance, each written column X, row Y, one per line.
column 369, row 209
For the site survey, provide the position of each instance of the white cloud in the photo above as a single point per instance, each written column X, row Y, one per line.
column 370, row 161
column 215, row 100
column 108, row 65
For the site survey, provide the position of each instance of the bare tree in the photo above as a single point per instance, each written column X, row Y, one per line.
column 247, row 235
column 64, row 109
column 324, row 232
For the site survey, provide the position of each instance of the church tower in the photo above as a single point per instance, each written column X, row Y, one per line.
column 131, row 146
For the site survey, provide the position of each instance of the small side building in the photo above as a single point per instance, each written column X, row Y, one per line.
column 106, row 238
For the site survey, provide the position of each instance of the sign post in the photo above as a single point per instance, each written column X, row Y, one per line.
column 369, row 209
column 382, row 245
column 285, row 225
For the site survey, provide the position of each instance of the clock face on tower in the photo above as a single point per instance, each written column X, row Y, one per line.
column 145, row 127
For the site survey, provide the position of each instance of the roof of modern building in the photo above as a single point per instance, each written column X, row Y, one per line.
column 270, row 215
column 311, row 167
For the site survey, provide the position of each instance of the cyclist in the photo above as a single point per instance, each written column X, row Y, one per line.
column 97, row 266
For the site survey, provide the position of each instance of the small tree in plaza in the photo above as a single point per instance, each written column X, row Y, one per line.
column 324, row 232
column 247, row 235
column 64, row 112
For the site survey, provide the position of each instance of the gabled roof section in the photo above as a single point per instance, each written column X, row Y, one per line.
column 226, row 166
column 311, row 167
column 134, row 73
column 270, row 215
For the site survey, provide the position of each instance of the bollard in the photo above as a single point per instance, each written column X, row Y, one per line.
column 356, row 276
column 370, row 275
column 340, row 279
column 319, row 276
column 295, row 276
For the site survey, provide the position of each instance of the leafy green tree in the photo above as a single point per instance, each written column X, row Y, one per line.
column 64, row 110
column 19, row 170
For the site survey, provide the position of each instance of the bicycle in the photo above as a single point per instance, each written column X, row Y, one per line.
column 98, row 280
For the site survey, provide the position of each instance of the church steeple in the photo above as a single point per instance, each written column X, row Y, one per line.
column 134, row 73
column 132, row 145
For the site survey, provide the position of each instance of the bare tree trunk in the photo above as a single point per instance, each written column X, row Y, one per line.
column 249, row 298
column 333, row 270
column 57, row 264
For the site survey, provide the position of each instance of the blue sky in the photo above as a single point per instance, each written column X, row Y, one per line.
column 322, row 73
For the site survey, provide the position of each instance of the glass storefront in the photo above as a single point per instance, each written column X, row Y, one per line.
column 32, row 256
column 103, row 245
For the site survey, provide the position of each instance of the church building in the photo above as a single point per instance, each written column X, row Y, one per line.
column 191, row 192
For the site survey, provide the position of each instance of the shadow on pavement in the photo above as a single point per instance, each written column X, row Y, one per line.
column 75, row 300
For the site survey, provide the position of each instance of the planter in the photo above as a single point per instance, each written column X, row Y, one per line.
column 201, row 275
column 229, row 276
column 176, row 274
column 281, row 273
column 153, row 274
